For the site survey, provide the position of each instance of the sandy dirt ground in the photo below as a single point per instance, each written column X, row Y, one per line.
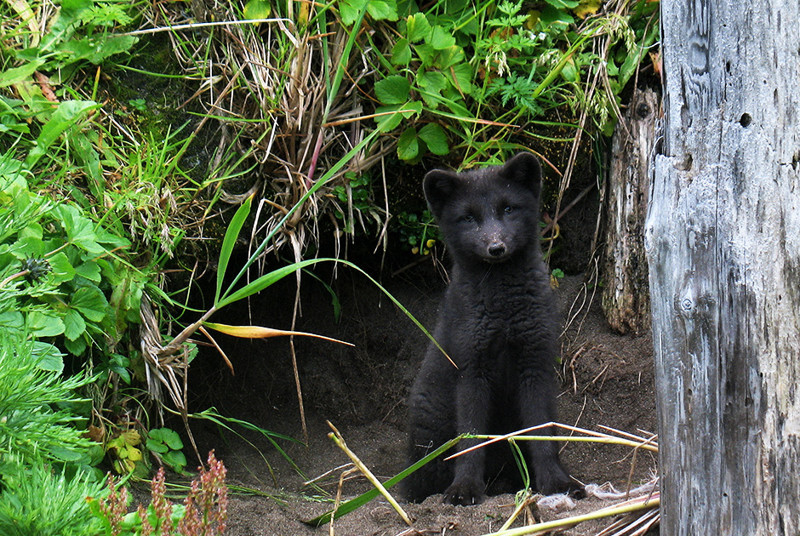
column 606, row 380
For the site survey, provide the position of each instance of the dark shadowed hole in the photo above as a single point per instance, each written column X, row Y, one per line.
column 745, row 120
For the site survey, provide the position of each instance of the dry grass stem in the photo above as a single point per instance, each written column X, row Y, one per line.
column 589, row 436
column 633, row 505
column 339, row 440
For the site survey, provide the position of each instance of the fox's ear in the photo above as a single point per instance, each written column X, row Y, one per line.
column 439, row 185
column 524, row 168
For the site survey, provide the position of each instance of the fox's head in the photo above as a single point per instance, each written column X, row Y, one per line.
column 489, row 214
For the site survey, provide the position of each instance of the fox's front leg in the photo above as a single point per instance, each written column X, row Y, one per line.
column 472, row 416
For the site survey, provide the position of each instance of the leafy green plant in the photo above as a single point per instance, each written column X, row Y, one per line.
column 140, row 105
column 355, row 201
column 126, row 453
column 527, row 59
column 435, row 67
column 418, row 232
column 166, row 445
column 45, row 459
column 556, row 275
column 78, row 34
column 59, row 277
column 35, row 419
column 37, row 500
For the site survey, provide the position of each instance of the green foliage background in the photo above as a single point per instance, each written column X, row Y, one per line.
column 104, row 190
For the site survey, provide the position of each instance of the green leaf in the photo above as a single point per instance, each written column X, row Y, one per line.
column 12, row 320
column 90, row 270
column 42, row 324
column 563, row 4
column 629, row 66
column 231, row 235
column 394, row 89
column 570, row 72
column 460, row 76
column 555, row 18
column 94, row 49
column 32, row 230
column 431, row 83
column 27, row 247
column 62, row 269
column 50, row 358
column 435, row 138
column 449, row 57
column 76, row 347
column 18, row 74
column 66, row 115
column 175, row 459
column 350, row 10
column 88, row 157
column 382, row 9
column 393, row 115
column 74, row 325
column 157, row 446
column 91, row 302
column 257, row 9
column 441, row 39
column 123, row 374
column 65, row 454
column 110, row 240
column 408, row 145
column 611, row 68
column 168, row 437
column 417, row 27
column 401, row 52
column 79, row 229
column 427, row 54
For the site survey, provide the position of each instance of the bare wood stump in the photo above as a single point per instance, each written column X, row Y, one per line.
column 626, row 295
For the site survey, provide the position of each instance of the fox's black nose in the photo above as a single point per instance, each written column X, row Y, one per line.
column 497, row 249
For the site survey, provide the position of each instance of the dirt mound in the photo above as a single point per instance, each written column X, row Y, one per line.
column 607, row 381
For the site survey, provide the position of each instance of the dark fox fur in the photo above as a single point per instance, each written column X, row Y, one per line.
column 498, row 324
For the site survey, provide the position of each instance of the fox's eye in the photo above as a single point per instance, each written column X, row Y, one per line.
column 508, row 209
column 468, row 218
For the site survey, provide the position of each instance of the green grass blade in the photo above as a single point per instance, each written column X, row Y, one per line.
column 560, row 65
column 266, row 280
column 333, row 89
column 353, row 504
column 398, row 304
column 213, row 416
column 317, row 185
column 64, row 117
column 231, row 234
column 335, row 303
column 274, row 276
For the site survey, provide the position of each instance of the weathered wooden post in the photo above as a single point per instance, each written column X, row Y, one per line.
column 723, row 244
column 625, row 297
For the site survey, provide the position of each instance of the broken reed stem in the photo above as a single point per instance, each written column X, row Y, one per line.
column 517, row 510
column 338, row 500
column 625, row 508
column 594, row 437
column 576, row 439
column 339, row 440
